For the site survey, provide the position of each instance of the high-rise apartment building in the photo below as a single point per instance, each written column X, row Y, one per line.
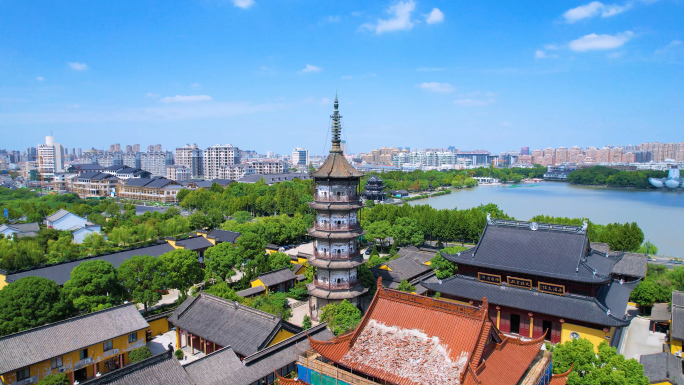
column 131, row 159
column 51, row 156
column 177, row 172
column 217, row 156
column 136, row 148
column 116, row 147
column 524, row 151
column 154, row 148
column 129, row 148
column 155, row 162
column 110, row 159
column 662, row 151
column 192, row 157
column 300, row 157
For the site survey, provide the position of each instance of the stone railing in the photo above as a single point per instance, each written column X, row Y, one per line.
column 335, row 227
column 336, row 256
column 336, row 198
column 335, row 286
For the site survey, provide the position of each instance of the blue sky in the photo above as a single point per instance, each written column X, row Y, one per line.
column 262, row 74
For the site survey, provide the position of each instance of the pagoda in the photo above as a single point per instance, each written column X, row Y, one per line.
column 375, row 189
column 336, row 230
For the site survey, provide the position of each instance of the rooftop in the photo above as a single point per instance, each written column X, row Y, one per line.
column 410, row 339
column 61, row 213
column 43, row 343
column 569, row 306
column 194, row 243
column 538, row 249
column 277, row 277
column 677, row 309
column 224, row 235
column 228, row 323
column 162, row 369
column 661, row 367
column 61, row 272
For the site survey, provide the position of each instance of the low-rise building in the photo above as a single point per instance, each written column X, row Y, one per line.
column 177, row 172
column 94, row 184
column 196, row 243
column 20, row 230
column 158, row 189
column 677, row 322
column 235, row 171
column 64, row 220
column 663, row 368
column 208, row 323
column 81, row 347
column 217, row 236
column 162, row 369
column 281, row 280
column 413, row 265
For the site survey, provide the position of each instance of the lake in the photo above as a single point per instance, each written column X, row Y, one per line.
column 659, row 213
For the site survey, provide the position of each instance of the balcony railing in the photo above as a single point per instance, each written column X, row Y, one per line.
column 80, row 364
column 335, row 227
column 336, row 198
column 336, row 256
column 335, row 286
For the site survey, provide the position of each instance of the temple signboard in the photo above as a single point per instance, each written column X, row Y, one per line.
column 489, row 278
column 520, row 282
column 551, row 288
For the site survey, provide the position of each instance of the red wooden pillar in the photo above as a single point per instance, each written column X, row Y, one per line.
column 73, row 377
column 121, row 360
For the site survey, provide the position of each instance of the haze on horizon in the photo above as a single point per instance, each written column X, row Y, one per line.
column 262, row 74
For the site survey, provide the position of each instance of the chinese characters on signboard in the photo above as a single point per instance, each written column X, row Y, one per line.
column 489, row 278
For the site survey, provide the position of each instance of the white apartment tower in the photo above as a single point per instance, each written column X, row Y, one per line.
column 155, row 162
column 192, row 157
column 51, row 157
column 300, row 157
column 217, row 156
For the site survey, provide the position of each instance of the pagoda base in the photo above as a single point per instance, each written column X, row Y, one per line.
column 318, row 298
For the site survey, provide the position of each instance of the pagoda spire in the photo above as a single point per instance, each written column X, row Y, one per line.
column 336, row 128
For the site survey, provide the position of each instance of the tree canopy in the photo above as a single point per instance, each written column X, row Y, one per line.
column 142, row 279
column 30, row 302
column 181, row 269
column 93, row 285
column 341, row 317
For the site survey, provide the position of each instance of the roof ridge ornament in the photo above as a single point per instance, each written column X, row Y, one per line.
column 489, row 219
column 534, row 226
column 585, row 226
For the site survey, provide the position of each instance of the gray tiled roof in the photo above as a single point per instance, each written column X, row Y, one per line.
column 661, row 367
column 46, row 342
column 336, row 166
column 195, row 243
column 162, row 369
column 224, row 367
column 569, row 306
column 631, row 264
column 677, row 325
column 558, row 253
column 411, row 265
column 251, row 291
column 227, row 323
column 660, row 312
column 277, row 277
column 224, row 235
column 25, row 227
column 61, row 272
column 61, row 213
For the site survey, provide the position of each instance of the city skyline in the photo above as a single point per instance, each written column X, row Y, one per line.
column 263, row 74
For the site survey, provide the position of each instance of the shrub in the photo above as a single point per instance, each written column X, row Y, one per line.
column 139, row 354
column 179, row 354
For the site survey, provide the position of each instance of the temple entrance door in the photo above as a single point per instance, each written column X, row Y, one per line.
column 547, row 325
column 515, row 324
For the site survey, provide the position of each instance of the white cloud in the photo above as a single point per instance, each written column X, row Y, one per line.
column 347, row 77
column 429, row 69
column 673, row 45
column 78, row 66
column 330, row 19
column 436, row 87
column 152, row 96
column 40, row 78
column 551, row 47
column 400, row 20
column 593, row 41
column 593, row 9
column 615, row 55
column 468, row 102
column 310, row 68
column 436, row 16
column 244, row 4
column 186, row 98
column 540, row 54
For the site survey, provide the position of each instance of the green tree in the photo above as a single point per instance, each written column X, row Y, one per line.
column 251, row 245
column 404, row 285
column 224, row 291
column 298, row 292
column 220, row 260
column 54, row 379
column 273, row 303
column 280, row 260
column 443, row 268
column 341, row 317
column 181, row 269
column 30, row 302
column 588, row 368
column 242, row 217
column 648, row 292
column 182, row 193
column 142, row 279
column 139, row 354
column 648, row 248
column 306, row 323
column 93, row 285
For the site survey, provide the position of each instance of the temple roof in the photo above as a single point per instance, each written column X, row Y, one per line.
column 228, row 323
column 411, row 339
column 538, row 249
column 575, row 307
column 336, row 166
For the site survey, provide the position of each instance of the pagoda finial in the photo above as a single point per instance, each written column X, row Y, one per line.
column 336, row 127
